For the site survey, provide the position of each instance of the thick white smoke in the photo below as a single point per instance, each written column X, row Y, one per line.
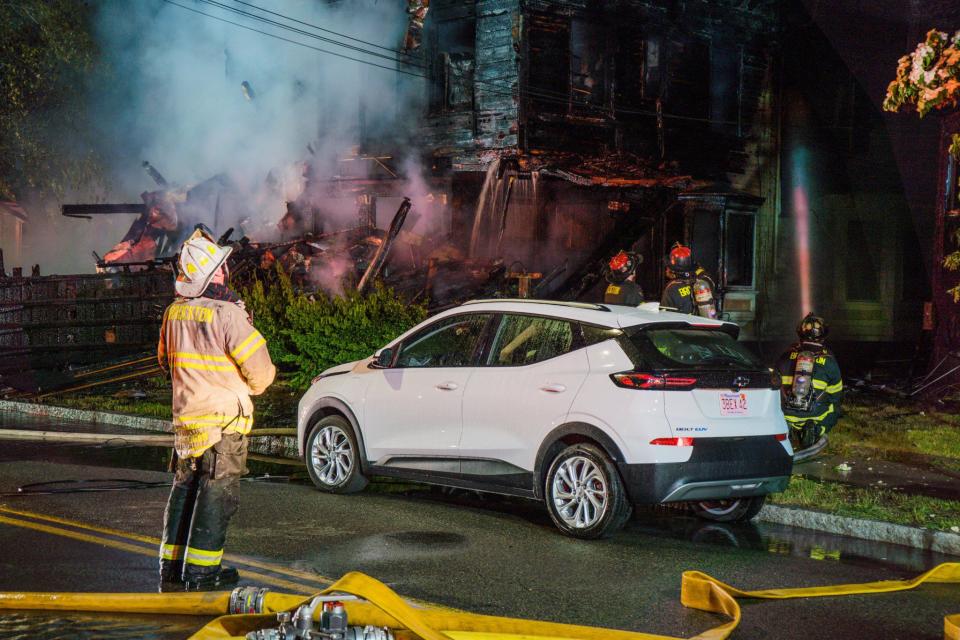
column 198, row 97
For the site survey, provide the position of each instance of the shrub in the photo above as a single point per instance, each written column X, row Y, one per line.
column 310, row 333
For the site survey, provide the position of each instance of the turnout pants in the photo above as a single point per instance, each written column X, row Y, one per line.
column 205, row 494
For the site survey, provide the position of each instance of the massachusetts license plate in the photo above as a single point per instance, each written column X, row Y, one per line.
column 733, row 404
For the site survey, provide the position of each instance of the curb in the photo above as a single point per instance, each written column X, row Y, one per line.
column 917, row 537
column 277, row 446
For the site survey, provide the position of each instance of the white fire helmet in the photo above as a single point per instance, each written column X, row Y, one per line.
column 199, row 261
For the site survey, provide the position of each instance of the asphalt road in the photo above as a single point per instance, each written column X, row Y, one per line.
column 479, row 553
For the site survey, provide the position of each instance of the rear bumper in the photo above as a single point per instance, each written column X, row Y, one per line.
column 719, row 468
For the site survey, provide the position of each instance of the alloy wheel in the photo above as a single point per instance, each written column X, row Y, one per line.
column 579, row 492
column 331, row 455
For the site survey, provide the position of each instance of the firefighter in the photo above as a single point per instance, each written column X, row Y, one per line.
column 811, row 385
column 216, row 360
column 690, row 290
column 622, row 276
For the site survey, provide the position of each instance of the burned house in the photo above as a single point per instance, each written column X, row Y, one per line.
column 568, row 131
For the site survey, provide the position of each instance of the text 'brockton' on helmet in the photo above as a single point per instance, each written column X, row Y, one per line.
column 812, row 327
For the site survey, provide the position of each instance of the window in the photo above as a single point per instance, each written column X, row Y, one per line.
column 451, row 342
column 683, row 349
column 705, row 239
column 862, row 280
column 588, row 81
column 453, row 65
column 595, row 335
column 523, row 340
column 739, row 250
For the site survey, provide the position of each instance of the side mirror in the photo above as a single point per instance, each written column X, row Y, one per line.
column 383, row 359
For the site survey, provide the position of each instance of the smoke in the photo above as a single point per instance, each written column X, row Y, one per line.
column 200, row 98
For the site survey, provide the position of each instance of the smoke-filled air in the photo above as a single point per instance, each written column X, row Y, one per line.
column 235, row 121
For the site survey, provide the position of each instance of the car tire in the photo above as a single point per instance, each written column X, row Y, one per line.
column 333, row 457
column 584, row 494
column 735, row 510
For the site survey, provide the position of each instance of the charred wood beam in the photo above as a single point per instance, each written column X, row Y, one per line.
column 85, row 210
column 380, row 257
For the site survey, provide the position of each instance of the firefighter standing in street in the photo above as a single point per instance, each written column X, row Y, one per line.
column 622, row 276
column 216, row 360
column 690, row 290
column 811, row 384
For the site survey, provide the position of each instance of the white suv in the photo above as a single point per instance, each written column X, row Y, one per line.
column 590, row 408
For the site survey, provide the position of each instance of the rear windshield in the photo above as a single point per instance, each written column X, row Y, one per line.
column 671, row 349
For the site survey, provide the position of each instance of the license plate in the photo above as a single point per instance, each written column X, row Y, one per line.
column 733, row 404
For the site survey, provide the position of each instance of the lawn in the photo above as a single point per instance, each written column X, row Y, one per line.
column 871, row 504
column 897, row 430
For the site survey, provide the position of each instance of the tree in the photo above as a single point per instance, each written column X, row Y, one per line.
column 930, row 79
column 46, row 48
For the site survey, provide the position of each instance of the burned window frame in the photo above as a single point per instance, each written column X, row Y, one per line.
column 445, row 58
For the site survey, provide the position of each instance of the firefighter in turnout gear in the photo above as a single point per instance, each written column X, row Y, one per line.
column 216, row 360
column 690, row 290
column 622, row 276
column 811, row 385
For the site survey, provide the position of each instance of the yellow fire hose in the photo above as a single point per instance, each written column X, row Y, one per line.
column 384, row 608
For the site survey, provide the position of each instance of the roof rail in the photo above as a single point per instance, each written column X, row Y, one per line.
column 559, row 303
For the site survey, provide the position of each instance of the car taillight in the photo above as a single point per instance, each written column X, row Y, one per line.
column 673, row 442
column 780, row 437
column 635, row 380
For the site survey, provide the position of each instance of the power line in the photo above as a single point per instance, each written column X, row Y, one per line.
column 542, row 95
column 274, row 23
column 318, row 28
column 302, row 44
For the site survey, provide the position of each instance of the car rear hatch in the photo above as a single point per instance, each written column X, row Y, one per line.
column 720, row 389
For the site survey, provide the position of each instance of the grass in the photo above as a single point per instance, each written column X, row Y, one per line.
column 898, row 431
column 872, row 504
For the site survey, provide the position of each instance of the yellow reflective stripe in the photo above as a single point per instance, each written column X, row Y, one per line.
column 835, row 388
column 203, row 558
column 256, row 346
column 819, row 384
column 171, row 551
column 199, row 356
column 186, row 364
column 212, row 419
column 814, row 418
column 786, row 379
column 243, row 345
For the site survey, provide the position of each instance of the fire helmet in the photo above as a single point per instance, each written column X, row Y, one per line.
column 622, row 265
column 812, row 328
column 199, row 260
column 680, row 260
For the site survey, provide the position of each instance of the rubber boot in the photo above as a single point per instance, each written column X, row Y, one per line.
column 220, row 577
column 171, row 576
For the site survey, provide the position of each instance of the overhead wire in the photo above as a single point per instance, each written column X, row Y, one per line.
column 302, row 44
column 540, row 94
column 280, row 25
column 318, row 28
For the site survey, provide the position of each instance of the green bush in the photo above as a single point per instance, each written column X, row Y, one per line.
column 268, row 304
column 310, row 333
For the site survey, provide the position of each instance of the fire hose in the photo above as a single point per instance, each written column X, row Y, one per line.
column 253, row 613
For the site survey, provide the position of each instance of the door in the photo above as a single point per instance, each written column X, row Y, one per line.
column 413, row 410
column 524, row 388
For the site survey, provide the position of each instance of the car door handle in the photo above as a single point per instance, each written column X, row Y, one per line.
column 554, row 388
column 447, row 386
